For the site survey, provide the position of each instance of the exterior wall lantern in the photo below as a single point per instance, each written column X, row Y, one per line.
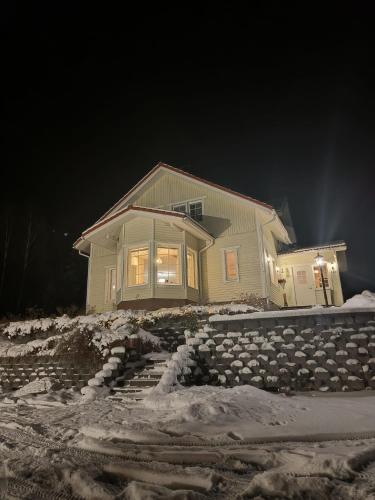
column 282, row 283
column 319, row 262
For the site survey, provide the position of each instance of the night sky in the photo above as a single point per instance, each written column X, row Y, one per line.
column 270, row 102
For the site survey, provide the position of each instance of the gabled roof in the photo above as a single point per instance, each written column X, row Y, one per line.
column 163, row 166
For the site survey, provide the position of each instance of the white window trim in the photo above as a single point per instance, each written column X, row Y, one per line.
column 189, row 249
column 107, row 290
column 226, row 249
column 187, row 203
column 135, row 246
column 167, row 245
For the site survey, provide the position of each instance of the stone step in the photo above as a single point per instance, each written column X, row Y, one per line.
column 141, row 383
column 152, row 375
column 127, row 390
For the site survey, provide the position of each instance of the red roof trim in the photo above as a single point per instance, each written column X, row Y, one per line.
column 191, row 176
column 157, row 211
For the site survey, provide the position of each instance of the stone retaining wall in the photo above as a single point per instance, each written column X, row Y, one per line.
column 17, row 372
column 334, row 351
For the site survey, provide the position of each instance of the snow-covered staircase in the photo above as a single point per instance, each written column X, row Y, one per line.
column 143, row 380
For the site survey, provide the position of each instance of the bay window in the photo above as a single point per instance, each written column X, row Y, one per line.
column 138, row 266
column 191, row 257
column 168, row 266
column 110, row 285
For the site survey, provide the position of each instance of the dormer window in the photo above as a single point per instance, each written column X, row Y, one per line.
column 192, row 208
column 195, row 210
column 181, row 207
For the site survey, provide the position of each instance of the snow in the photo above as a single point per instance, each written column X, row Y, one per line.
column 364, row 300
column 119, row 321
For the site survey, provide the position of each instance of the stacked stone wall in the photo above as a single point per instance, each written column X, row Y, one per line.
column 330, row 352
column 17, row 372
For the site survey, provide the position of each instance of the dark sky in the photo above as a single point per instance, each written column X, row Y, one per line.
column 270, row 102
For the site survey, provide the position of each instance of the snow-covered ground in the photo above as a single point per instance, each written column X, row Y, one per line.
column 198, row 442
column 189, row 443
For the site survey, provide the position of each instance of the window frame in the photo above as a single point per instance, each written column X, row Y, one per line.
column 326, row 277
column 187, row 204
column 109, row 272
column 174, row 246
column 195, row 265
column 224, row 262
column 183, row 204
column 194, row 202
column 128, row 250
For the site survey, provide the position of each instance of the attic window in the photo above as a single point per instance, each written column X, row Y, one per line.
column 181, row 207
column 195, row 210
column 192, row 208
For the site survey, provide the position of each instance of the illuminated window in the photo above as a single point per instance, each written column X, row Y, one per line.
column 318, row 277
column 168, row 266
column 110, row 285
column 195, row 210
column 138, row 267
column 191, row 268
column 231, row 264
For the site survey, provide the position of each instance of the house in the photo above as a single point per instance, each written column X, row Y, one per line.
column 176, row 239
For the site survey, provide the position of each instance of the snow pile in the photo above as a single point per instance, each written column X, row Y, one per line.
column 179, row 363
column 36, row 387
column 208, row 404
column 363, row 300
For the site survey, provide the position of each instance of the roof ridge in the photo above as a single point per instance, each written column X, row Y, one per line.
column 161, row 164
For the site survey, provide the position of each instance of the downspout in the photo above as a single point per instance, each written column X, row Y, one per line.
column 209, row 245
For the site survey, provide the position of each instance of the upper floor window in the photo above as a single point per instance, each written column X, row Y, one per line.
column 195, row 210
column 192, row 208
column 168, row 266
column 181, row 207
column 138, row 266
column 231, row 264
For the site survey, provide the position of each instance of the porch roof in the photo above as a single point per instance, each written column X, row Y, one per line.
column 105, row 232
column 338, row 246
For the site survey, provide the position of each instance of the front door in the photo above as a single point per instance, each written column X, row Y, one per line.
column 304, row 285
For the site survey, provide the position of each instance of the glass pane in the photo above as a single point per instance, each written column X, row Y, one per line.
column 318, row 277
column 196, row 210
column 168, row 266
column 112, row 284
column 191, row 269
column 301, row 277
column 138, row 267
column 180, row 208
column 231, row 265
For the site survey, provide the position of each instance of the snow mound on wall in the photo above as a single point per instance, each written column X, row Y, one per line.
column 365, row 299
column 119, row 321
column 207, row 404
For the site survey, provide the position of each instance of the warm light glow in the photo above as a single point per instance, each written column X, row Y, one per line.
column 158, row 260
column 319, row 260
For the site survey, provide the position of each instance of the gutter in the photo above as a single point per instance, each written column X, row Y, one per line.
column 83, row 254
